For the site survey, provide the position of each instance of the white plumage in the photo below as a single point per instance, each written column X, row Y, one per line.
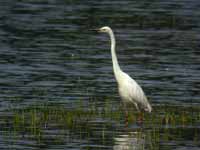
column 129, row 91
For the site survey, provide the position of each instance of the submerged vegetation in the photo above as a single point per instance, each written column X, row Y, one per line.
column 55, row 123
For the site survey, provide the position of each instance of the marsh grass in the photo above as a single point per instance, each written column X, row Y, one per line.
column 163, row 124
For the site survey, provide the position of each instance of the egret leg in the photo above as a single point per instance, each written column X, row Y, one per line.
column 140, row 118
column 126, row 121
column 126, row 114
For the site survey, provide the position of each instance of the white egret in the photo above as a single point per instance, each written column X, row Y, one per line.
column 129, row 90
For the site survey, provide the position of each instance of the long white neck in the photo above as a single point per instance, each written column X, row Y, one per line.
column 116, row 67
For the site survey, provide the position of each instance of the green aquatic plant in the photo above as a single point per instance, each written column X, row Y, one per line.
column 163, row 124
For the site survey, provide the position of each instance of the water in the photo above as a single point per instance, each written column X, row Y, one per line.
column 50, row 58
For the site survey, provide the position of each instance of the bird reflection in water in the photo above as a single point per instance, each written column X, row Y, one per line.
column 130, row 141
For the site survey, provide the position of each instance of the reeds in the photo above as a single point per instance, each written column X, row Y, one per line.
column 164, row 123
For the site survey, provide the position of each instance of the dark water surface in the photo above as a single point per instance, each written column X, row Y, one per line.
column 49, row 58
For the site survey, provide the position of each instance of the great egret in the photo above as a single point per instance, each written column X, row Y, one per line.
column 129, row 91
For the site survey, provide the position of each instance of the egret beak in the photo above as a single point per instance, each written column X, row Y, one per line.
column 97, row 30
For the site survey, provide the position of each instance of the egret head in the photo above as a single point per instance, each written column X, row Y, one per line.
column 104, row 29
